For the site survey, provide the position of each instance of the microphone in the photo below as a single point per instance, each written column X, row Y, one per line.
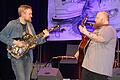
column 96, row 26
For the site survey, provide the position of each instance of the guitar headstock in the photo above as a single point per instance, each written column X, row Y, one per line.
column 84, row 21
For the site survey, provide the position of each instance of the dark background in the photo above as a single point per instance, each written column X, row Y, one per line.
column 8, row 11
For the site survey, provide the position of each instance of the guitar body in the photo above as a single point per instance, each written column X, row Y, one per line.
column 82, row 46
column 18, row 52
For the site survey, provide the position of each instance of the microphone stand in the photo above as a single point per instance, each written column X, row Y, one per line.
column 37, row 64
column 118, row 55
column 48, row 63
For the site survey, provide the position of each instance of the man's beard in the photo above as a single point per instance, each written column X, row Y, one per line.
column 30, row 20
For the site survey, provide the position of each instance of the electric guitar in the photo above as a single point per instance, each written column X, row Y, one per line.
column 18, row 52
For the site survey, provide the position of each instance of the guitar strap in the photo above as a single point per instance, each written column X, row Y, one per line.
column 29, row 29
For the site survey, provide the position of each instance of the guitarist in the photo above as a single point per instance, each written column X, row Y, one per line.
column 11, row 34
column 99, row 56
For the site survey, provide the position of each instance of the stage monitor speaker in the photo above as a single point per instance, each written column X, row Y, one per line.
column 49, row 74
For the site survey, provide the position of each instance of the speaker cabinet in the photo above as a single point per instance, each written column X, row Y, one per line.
column 69, row 70
column 49, row 74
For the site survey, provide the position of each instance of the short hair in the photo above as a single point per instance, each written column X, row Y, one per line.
column 105, row 14
column 22, row 8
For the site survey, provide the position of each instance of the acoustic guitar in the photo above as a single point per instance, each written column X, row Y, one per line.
column 82, row 47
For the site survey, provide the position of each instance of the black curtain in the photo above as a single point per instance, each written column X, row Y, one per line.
column 8, row 11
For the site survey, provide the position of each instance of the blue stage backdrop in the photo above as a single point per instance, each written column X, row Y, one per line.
column 69, row 14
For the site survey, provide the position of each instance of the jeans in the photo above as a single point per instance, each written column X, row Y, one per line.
column 88, row 75
column 22, row 67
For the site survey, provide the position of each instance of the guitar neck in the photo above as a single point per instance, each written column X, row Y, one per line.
column 41, row 34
